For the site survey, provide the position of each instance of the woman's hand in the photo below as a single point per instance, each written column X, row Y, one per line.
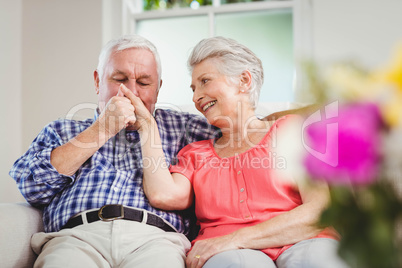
column 142, row 117
column 205, row 249
column 285, row 229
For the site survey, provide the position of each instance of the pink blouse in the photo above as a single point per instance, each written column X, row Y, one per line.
column 239, row 191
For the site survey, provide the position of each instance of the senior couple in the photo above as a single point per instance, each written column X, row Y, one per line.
column 102, row 208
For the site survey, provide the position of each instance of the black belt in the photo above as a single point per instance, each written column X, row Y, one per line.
column 115, row 212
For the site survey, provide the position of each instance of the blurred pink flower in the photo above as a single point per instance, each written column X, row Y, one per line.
column 354, row 156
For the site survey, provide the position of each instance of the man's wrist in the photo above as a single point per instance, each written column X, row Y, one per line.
column 101, row 132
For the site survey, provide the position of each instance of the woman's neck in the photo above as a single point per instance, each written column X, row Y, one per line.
column 241, row 135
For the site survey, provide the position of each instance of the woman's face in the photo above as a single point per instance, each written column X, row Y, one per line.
column 215, row 96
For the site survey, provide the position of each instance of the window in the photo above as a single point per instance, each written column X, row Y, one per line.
column 268, row 28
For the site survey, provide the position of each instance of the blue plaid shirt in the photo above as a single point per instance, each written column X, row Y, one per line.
column 113, row 175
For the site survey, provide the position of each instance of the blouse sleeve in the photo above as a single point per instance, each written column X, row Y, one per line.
column 189, row 158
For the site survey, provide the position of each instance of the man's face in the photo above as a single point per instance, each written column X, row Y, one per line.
column 136, row 69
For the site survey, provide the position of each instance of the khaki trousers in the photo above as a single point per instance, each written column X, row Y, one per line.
column 118, row 243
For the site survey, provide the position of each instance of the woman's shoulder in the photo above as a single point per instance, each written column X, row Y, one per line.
column 196, row 153
column 287, row 119
column 203, row 146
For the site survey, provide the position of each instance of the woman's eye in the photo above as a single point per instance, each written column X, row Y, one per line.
column 204, row 81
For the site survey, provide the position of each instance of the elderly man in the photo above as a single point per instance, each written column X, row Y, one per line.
column 87, row 175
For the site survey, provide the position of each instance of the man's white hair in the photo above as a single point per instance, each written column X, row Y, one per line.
column 126, row 42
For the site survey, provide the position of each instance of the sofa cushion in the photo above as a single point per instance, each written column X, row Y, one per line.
column 18, row 222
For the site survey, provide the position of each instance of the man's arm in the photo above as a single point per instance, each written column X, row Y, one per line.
column 69, row 157
column 51, row 162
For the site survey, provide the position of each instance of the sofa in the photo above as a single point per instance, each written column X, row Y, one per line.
column 19, row 221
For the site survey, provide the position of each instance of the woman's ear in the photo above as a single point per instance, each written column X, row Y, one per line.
column 245, row 81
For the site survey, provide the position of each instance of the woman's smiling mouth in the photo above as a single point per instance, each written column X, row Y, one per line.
column 208, row 105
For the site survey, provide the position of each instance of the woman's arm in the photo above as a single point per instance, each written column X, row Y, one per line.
column 288, row 228
column 164, row 190
column 291, row 227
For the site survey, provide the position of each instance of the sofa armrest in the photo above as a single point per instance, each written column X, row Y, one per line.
column 18, row 221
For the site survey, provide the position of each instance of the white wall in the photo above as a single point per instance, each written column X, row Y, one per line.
column 363, row 30
column 48, row 52
column 61, row 43
column 10, row 94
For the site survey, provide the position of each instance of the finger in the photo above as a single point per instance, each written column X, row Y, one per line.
column 134, row 99
column 194, row 260
column 190, row 259
column 200, row 263
column 131, row 119
column 192, row 263
column 120, row 93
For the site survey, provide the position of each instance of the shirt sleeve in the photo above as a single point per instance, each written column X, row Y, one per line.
column 35, row 176
column 184, row 163
column 198, row 128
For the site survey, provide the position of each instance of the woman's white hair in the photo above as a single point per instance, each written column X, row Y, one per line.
column 234, row 59
column 126, row 42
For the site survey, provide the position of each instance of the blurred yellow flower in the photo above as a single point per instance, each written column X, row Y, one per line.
column 392, row 110
column 393, row 72
column 390, row 79
column 349, row 82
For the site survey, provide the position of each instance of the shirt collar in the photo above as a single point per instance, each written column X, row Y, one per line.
column 96, row 114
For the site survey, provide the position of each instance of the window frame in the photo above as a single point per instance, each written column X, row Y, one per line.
column 302, row 12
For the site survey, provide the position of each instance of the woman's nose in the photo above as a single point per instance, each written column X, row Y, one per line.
column 196, row 96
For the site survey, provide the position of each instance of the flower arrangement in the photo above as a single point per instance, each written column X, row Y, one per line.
column 358, row 151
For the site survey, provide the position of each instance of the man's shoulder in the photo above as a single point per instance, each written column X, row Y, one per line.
column 169, row 114
column 193, row 127
column 172, row 112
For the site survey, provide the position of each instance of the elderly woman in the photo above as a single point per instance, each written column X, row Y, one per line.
column 250, row 213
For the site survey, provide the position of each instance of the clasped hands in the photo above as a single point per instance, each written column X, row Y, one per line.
column 125, row 110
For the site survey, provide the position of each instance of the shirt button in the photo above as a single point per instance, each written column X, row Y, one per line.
column 247, row 216
column 115, row 189
column 241, row 201
column 120, row 156
column 242, row 190
column 239, row 172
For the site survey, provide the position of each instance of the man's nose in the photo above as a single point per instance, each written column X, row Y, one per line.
column 133, row 87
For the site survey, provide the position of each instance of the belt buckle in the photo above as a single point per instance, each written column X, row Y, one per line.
column 102, row 218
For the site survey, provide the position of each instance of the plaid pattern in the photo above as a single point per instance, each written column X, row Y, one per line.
column 113, row 175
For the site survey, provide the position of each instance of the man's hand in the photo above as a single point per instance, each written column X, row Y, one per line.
column 125, row 110
column 69, row 157
column 142, row 117
column 118, row 114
